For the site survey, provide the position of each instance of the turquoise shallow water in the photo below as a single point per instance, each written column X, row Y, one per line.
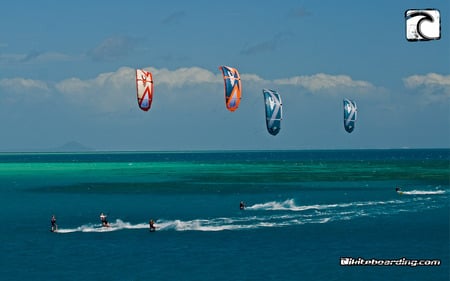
column 305, row 210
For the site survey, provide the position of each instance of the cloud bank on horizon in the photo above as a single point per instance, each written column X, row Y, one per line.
column 121, row 81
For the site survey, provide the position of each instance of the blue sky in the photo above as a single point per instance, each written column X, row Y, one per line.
column 67, row 74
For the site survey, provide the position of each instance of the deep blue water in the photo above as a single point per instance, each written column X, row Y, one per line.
column 305, row 210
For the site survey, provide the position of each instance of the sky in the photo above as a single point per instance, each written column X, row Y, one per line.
column 67, row 74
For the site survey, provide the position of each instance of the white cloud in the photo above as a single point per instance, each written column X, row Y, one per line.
column 253, row 78
column 320, row 82
column 110, row 91
column 432, row 80
column 114, row 91
column 107, row 91
column 184, row 76
column 116, row 80
column 23, row 91
column 22, row 84
column 435, row 86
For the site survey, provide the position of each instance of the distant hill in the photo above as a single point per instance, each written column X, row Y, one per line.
column 73, row 146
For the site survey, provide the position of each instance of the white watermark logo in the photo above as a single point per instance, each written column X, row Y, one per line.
column 423, row 25
column 349, row 261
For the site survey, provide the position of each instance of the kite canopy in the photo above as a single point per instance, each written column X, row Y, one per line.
column 233, row 87
column 350, row 114
column 274, row 111
column 144, row 89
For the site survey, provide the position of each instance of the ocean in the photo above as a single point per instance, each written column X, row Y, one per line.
column 310, row 215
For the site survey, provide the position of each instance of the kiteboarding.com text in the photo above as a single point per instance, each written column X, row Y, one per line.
column 349, row 261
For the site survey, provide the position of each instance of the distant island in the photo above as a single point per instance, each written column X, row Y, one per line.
column 72, row 146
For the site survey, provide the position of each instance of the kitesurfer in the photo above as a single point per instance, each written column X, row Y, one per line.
column 53, row 222
column 398, row 190
column 242, row 205
column 104, row 220
column 152, row 225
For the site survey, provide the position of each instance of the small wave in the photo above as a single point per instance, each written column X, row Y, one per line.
column 280, row 206
column 423, row 192
column 275, row 214
column 198, row 225
column 115, row 226
column 215, row 225
column 207, row 225
column 289, row 205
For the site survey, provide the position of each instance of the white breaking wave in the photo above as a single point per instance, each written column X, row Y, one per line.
column 208, row 225
column 115, row 226
column 423, row 192
column 276, row 214
column 215, row 224
column 280, row 206
column 289, row 205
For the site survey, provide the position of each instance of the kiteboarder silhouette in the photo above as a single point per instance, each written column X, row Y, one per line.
column 54, row 225
column 152, row 225
column 103, row 219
